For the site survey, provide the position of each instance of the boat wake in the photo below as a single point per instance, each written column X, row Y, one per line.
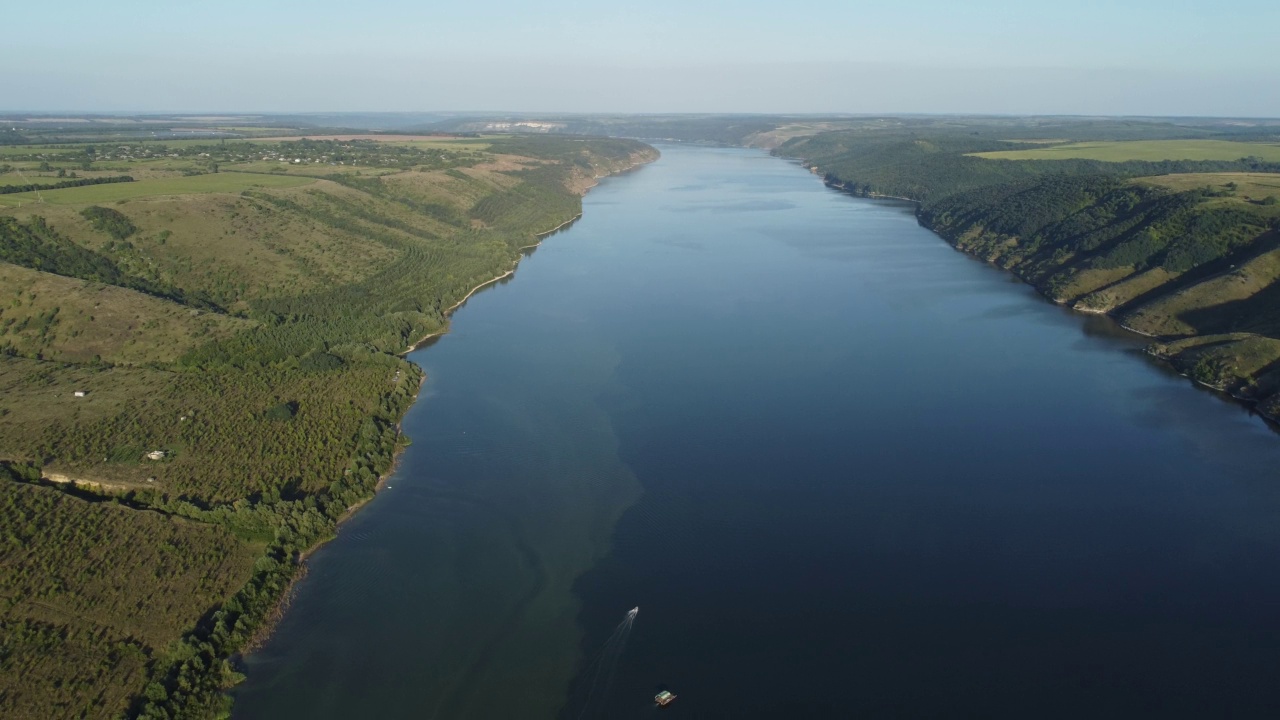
column 598, row 677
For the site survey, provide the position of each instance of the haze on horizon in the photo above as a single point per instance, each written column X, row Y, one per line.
column 1135, row 57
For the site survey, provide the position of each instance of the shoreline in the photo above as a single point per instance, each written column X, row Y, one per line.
column 515, row 265
column 270, row 623
column 1253, row 405
column 449, row 311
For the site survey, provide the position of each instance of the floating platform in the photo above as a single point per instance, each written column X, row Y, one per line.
column 664, row 698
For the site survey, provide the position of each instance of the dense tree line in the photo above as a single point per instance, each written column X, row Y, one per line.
column 928, row 168
column 79, row 182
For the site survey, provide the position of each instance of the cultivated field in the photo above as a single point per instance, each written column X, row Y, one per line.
column 418, row 141
column 1151, row 150
column 229, row 182
column 1245, row 185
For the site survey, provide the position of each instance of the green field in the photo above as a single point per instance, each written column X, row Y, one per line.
column 27, row 149
column 1151, row 150
column 30, row 177
column 1249, row 185
column 229, row 182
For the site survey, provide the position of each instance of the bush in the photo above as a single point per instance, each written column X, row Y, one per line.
column 112, row 222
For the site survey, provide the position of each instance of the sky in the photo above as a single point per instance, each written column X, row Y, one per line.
column 1124, row 57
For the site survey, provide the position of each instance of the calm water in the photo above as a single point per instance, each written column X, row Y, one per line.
column 843, row 470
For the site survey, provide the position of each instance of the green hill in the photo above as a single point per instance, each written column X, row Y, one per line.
column 201, row 372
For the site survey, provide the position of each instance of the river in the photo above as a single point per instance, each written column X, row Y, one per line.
column 842, row 469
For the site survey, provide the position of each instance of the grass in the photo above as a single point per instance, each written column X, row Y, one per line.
column 1241, row 363
column 1247, row 185
column 1150, row 150
column 69, row 320
column 36, row 395
column 38, row 178
column 45, row 149
column 1247, row 191
column 230, row 182
column 1234, row 300
column 233, row 249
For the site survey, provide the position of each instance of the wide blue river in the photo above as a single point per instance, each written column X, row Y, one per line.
column 843, row 470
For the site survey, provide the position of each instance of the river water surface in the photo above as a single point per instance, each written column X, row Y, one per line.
column 843, row 470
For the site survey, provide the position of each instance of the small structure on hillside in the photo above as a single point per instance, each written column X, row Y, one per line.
column 156, row 455
column 81, row 393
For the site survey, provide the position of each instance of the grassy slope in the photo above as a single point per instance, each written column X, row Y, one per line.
column 66, row 319
column 1122, row 228
column 277, row 409
column 1247, row 186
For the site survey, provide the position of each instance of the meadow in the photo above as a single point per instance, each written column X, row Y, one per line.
column 1148, row 150
column 228, row 182
column 1246, row 186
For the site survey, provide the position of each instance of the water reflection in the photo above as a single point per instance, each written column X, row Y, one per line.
column 843, row 470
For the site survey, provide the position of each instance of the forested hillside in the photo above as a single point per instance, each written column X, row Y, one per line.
column 1183, row 250
column 201, row 372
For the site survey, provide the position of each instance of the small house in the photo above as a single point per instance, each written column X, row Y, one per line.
column 81, row 393
column 155, row 455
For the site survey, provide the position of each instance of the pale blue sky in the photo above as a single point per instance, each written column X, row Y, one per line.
column 996, row 56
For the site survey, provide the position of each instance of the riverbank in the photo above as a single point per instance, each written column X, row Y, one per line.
column 273, row 429
column 300, row 559
column 637, row 161
column 588, row 447
column 1223, row 372
column 1188, row 267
